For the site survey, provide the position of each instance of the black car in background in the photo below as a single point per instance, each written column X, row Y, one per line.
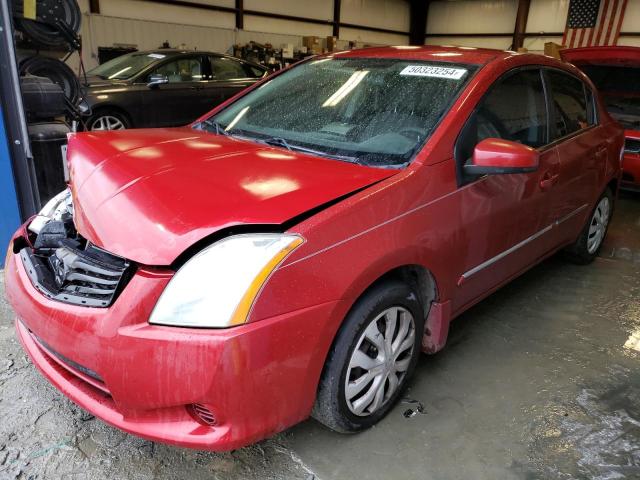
column 162, row 88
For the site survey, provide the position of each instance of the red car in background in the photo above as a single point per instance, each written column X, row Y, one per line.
column 292, row 252
column 615, row 71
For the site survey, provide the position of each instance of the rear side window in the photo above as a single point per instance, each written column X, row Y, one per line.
column 227, row 69
column 570, row 104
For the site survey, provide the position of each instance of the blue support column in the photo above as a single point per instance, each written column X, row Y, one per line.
column 9, row 209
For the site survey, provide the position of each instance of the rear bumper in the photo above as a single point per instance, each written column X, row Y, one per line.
column 257, row 379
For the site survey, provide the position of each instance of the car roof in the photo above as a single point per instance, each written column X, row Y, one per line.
column 470, row 55
column 173, row 52
column 618, row 55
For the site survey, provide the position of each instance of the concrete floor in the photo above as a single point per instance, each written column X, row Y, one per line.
column 539, row 381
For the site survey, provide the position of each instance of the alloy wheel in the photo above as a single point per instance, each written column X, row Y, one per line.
column 107, row 122
column 380, row 361
column 598, row 225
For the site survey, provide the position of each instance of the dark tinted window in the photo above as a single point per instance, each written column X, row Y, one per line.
column 570, row 103
column 187, row 69
column 227, row 69
column 513, row 109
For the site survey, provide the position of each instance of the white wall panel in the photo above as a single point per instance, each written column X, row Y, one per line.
column 322, row 9
column 243, row 36
column 389, row 14
column 501, row 43
column 631, row 22
column 155, row 11
column 104, row 31
column 373, row 38
column 472, row 16
column 629, row 41
column 277, row 26
column 547, row 16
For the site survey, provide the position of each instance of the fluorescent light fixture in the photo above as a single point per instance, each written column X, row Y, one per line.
column 121, row 71
column 346, row 88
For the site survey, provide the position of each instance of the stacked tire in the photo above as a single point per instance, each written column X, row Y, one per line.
column 50, row 88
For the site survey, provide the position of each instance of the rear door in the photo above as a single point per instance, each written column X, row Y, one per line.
column 506, row 218
column 582, row 151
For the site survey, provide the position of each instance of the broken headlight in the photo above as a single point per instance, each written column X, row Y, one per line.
column 217, row 287
column 55, row 209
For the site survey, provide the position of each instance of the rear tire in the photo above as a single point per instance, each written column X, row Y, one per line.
column 372, row 358
column 589, row 243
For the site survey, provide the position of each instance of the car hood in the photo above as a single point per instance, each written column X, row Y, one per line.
column 148, row 195
column 95, row 82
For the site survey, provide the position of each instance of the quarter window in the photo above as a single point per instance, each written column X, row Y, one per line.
column 570, row 104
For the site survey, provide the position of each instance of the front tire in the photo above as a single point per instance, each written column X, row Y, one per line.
column 589, row 243
column 108, row 119
column 371, row 360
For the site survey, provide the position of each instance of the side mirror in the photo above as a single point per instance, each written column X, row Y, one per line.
column 156, row 79
column 494, row 156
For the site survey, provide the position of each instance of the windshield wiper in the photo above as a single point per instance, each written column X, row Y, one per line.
column 278, row 142
column 219, row 129
column 281, row 142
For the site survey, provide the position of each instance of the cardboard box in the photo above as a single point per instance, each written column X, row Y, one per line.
column 312, row 43
column 553, row 50
column 522, row 50
column 287, row 50
column 332, row 44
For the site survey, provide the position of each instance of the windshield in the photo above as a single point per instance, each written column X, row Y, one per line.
column 377, row 112
column 620, row 90
column 126, row 66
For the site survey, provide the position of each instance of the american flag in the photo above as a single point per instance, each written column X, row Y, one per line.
column 593, row 22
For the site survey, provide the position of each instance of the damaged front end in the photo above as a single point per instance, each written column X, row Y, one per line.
column 64, row 266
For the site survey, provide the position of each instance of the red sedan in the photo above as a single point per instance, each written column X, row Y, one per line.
column 292, row 252
column 615, row 71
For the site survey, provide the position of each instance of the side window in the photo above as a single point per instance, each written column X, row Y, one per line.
column 570, row 103
column 592, row 116
column 254, row 71
column 182, row 70
column 227, row 69
column 513, row 109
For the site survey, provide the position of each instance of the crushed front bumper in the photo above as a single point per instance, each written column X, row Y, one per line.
column 256, row 379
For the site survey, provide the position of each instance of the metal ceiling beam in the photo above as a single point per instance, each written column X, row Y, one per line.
column 240, row 14
column 520, row 29
column 94, row 6
column 336, row 17
column 418, row 12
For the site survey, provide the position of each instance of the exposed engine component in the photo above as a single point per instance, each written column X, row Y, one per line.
column 67, row 268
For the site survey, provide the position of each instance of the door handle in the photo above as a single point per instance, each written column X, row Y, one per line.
column 549, row 180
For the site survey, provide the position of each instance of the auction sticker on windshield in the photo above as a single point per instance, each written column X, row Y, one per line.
column 429, row 71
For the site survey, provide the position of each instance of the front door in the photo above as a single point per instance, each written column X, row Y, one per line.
column 506, row 218
column 183, row 98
